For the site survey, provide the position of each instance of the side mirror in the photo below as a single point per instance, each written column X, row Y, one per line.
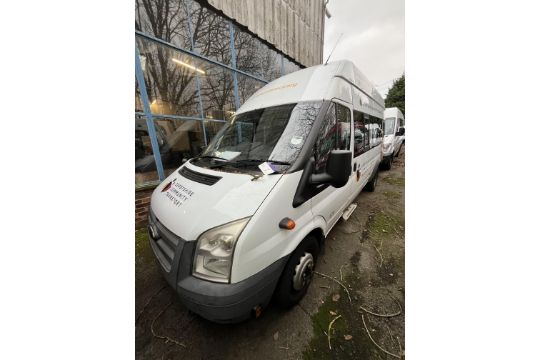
column 338, row 169
column 401, row 131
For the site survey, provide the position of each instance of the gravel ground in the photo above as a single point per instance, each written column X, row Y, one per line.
column 367, row 252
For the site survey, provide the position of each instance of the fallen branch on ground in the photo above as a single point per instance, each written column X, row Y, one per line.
column 378, row 252
column 377, row 345
column 401, row 352
column 285, row 348
column 339, row 282
column 384, row 315
column 148, row 303
column 330, row 328
column 164, row 337
column 340, row 273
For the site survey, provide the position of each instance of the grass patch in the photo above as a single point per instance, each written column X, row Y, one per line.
column 398, row 181
column 143, row 252
column 392, row 195
column 381, row 228
column 382, row 232
column 144, row 258
column 350, row 323
column 384, row 224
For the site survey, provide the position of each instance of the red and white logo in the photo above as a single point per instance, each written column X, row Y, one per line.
column 168, row 186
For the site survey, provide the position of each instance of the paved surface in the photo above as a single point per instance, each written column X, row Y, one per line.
column 367, row 252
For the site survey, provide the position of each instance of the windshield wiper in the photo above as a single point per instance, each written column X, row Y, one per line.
column 213, row 166
column 260, row 161
column 211, row 157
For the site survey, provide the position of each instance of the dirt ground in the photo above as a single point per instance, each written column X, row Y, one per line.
column 365, row 253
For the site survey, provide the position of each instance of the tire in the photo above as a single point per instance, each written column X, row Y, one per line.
column 386, row 164
column 286, row 295
column 370, row 186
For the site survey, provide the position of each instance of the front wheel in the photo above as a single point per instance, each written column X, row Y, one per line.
column 298, row 273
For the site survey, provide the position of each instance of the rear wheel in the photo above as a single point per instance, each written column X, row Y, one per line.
column 370, row 186
column 298, row 273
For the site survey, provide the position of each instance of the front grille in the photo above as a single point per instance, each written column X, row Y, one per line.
column 168, row 244
column 199, row 177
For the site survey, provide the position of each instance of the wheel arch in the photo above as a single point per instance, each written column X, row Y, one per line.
column 316, row 228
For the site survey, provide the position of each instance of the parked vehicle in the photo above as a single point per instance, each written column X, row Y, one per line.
column 402, row 137
column 246, row 219
column 394, row 136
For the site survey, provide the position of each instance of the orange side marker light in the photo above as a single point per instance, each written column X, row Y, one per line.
column 287, row 224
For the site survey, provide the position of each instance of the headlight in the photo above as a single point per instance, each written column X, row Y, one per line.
column 214, row 252
column 386, row 146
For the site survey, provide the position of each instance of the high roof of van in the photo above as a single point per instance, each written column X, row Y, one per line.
column 393, row 112
column 338, row 79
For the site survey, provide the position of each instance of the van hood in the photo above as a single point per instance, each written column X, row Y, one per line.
column 189, row 207
column 388, row 138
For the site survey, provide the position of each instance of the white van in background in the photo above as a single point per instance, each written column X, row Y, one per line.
column 246, row 220
column 394, row 135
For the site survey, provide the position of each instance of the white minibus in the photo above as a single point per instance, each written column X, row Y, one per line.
column 394, row 135
column 245, row 221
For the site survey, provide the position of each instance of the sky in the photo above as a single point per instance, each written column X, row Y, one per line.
column 373, row 37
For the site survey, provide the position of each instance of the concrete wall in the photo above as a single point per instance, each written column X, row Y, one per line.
column 296, row 27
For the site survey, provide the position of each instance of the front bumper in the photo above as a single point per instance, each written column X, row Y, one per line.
column 389, row 152
column 218, row 302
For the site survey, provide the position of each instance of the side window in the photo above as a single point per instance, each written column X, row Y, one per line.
column 343, row 115
column 334, row 134
column 368, row 120
column 380, row 133
column 375, row 127
column 361, row 134
column 326, row 141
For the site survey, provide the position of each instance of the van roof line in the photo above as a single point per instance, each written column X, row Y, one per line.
column 310, row 84
column 393, row 111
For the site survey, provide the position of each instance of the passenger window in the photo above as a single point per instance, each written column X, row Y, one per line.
column 335, row 134
column 375, row 126
column 369, row 125
column 326, row 141
column 361, row 134
column 380, row 134
column 343, row 115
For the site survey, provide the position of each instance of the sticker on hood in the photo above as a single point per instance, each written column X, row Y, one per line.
column 177, row 193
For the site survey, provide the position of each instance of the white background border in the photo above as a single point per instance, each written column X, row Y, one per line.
column 67, row 256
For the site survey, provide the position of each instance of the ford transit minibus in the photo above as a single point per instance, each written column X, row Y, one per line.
column 245, row 221
column 394, row 133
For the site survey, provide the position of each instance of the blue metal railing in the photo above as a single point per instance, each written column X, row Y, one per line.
column 192, row 52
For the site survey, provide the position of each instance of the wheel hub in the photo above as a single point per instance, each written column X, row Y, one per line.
column 303, row 272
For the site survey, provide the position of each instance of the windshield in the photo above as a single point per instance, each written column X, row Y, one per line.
column 389, row 124
column 275, row 134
